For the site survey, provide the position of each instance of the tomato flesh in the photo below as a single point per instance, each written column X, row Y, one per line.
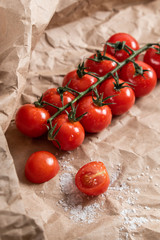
column 92, row 179
column 41, row 166
column 31, row 120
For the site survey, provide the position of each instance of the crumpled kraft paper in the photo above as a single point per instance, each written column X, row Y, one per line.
column 129, row 147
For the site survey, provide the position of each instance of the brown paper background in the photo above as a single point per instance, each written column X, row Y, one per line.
column 131, row 142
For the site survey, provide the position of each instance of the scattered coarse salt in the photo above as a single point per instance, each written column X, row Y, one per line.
column 142, row 174
column 147, row 167
column 147, row 208
column 74, row 201
column 129, row 178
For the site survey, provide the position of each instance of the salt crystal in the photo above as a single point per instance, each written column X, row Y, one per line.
column 142, row 174
column 147, row 167
column 147, row 208
column 129, row 178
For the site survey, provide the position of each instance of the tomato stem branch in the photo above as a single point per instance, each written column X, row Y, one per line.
column 101, row 79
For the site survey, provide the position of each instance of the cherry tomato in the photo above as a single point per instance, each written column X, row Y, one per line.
column 143, row 84
column 121, row 55
column 31, row 120
column 53, row 97
column 77, row 83
column 123, row 100
column 92, row 179
column 41, row 167
column 153, row 59
column 97, row 117
column 70, row 135
column 101, row 67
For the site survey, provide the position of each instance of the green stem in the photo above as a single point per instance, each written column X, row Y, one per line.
column 101, row 79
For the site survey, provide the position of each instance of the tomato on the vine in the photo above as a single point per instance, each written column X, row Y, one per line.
column 122, row 98
column 41, row 166
column 31, row 120
column 121, row 55
column 52, row 96
column 78, row 83
column 92, row 179
column 152, row 57
column 142, row 77
column 70, row 135
column 98, row 63
column 96, row 117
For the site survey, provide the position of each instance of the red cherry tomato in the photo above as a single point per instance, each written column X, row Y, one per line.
column 53, row 97
column 77, row 83
column 97, row 117
column 41, row 167
column 31, row 120
column 121, row 55
column 102, row 67
column 153, row 59
column 70, row 135
column 92, row 179
column 123, row 100
column 143, row 84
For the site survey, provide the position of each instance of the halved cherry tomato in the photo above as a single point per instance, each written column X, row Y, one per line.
column 52, row 96
column 77, row 83
column 101, row 67
column 31, row 120
column 92, row 179
column 152, row 57
column 121, row 55
column 70, row 134
column 143, row 83
column 96, row 117
column 123, row 99
column 41, row 167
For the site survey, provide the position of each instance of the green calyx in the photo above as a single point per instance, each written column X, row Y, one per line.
column 117, row 85
column 39, row 103
column 157, row 49
column 98, row 99
column 138, row 69
column 72, row 115
column 81, row 70
column 99, row 56
column 120, row 46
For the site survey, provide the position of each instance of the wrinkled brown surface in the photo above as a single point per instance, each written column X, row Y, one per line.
column 132, row 141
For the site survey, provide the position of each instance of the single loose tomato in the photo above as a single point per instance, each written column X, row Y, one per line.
column 70, row 134
column 121, row 55
column 92, row 179
column 122, row 98
column 152, row 57
column 78, row 83
column 143, row 78
column 101, row 66
column 41, row 167
column 96, row 117
column 53, row 97
column 31, row 120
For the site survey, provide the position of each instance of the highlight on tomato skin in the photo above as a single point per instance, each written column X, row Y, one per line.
column 41, row 166
column 31, row 120
column 92, row 179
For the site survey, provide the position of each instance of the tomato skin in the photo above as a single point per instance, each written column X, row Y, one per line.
column 97, row 117
column 123, row 100
column 92, row 179
column 143, row 85
column 77, row 83
column 102, row 67
column 121, row 55
column 31, row 120
column 153, row 59
column 53, row 97
column 41, row 166
column 70, row 135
